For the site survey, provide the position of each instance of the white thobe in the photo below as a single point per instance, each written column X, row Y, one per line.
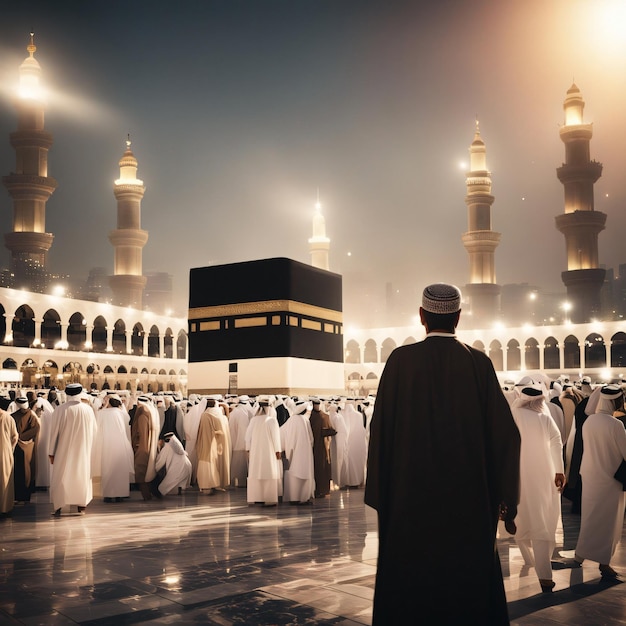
column 71, row 440
column 338, row 446
column 174, row 459
column 191, row 422
column 264, row 470
column 43, row 443
column 602, row 503
column 238, row 423
column 112, row 459
column 354, row 469
column 541, row 458
column 296, row 439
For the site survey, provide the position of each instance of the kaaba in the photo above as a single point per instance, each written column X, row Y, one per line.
column 265, row 326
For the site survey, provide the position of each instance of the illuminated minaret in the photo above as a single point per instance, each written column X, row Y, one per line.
column 580, row 223
column 319, row 243
column 30, row 186
column 128, row 281
column 479, row 240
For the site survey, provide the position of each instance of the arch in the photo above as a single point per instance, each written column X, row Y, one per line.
column 50, row 329
column 571, row 352
column 551, row 356
column 408, row 341
column 162, row 372
column 108, row 369
column 172, row 373
column 133, row 370
column 371, row 376
column 77, row 332
column 153, row 371
column 122, row 370
column 387, row 347
column 9, row 364
column 23, row 326
column 496, row 355
column 136, row 341
column 531, row 354
column 119, row 337
column 48, row 374
column 93, row 370
column 72, row 372
column 618, row 350
column 168, row 344
column 154, row 349
column 99, row 335
column 595, row 351
column 29, row 372
column 479, row 345
column 181, row 345
column 144, row 370
column 370, row 352
column 513, row 355
column 353, row 352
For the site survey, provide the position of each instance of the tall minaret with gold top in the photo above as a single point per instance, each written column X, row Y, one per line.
column 581, row 223
column 480, row 240
column 29, row 185
column 128, row 282
column 319, row 243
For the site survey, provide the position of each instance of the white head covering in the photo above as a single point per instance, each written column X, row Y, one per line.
column 441, row 298
column 606, row 399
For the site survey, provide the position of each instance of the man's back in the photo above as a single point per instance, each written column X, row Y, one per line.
column 444, row 453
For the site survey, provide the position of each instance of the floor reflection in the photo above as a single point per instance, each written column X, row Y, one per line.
column 191, row 560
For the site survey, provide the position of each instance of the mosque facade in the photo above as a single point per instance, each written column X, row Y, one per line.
column 48, row 340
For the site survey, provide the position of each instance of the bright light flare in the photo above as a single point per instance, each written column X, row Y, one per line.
column 609, row 17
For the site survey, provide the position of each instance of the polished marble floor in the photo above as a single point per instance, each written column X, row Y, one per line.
column 198, row 559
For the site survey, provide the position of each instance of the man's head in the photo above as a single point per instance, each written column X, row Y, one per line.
column 441, row 307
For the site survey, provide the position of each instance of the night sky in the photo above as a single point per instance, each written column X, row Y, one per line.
column 239, row 111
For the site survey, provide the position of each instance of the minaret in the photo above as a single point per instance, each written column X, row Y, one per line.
column 480, row 240
column 30, row 186
column 128, row 281
column 319, row 243
column 580, row 223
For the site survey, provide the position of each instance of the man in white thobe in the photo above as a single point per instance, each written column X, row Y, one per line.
column 354, row 473
column 191, row 423
column 541, row 481
column 602, row 503
column 265, row 466
column 238, row 423
column 113, row 459
column 174, row 459
column 296, row 439
column 44, row 411
column 72, row 435
column 338, row 445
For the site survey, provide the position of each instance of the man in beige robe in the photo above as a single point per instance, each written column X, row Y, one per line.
column 8, row 441
column 144, row 439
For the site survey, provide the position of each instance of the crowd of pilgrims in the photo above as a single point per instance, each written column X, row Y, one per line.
column 82, row 445
column 291, row 449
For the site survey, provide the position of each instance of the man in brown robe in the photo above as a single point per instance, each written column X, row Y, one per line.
column 443, row 465
column 322, row 432
column 27, row 424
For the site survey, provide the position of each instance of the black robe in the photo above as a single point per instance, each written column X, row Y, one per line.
column 443, row 455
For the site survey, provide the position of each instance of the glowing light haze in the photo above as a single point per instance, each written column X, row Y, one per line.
column 239, row 111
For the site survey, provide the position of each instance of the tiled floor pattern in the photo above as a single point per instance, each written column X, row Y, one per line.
column 197, row 559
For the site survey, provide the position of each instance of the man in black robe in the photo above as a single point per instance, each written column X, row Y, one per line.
column 443, row 466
